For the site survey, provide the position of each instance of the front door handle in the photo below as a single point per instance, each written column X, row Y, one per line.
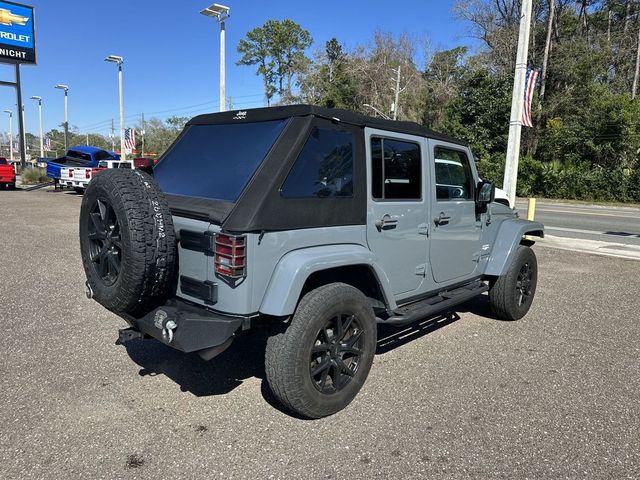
column 386, row 222
column 442, row 219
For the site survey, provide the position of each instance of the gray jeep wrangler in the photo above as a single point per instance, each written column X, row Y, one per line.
column 318, row 223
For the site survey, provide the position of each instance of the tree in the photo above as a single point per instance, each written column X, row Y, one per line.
column 327, row 80
column 277, row 48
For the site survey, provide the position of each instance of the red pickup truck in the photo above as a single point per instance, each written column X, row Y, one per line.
column 7, row 175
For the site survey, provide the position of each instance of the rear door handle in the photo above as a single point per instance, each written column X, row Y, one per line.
column 386, row 222
column 442, row 219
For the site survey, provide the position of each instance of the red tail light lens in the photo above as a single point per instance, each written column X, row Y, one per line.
column 229, row 258
column 87, row 174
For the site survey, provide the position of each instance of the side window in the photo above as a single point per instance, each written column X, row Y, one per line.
column 396, row 168
column 454, row 179
column 324, row 168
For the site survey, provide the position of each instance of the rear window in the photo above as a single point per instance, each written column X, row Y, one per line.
column 85, row 157
column 3, row 161
column 216, row 161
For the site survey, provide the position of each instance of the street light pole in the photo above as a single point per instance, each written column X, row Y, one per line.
column 66, row 114
column 220, row 13
column 39, row 99
column 515, row 123
column 10, row 134
column 119, row 61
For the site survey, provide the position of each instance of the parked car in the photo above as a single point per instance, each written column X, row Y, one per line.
column 78, row 156
column 7, row 174
column 316, row 223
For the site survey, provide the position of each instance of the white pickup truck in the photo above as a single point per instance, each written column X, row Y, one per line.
column 77, row 177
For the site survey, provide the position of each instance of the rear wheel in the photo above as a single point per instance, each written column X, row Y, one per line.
column 127, row 242
column 79, row 190
column 318, row 365
column 511, row 295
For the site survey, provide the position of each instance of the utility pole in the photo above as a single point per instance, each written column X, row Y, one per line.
column 515, row 123
column 634, row 90
column 87, row 139
column 397, row 92
column 142, row 132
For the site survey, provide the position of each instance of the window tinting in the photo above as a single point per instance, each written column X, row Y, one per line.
column 454, row 180
column 324, row 168
column 396, row 170
column 85, row 157
column 216, row 161
column 3, row 161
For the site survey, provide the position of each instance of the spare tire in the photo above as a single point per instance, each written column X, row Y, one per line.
column 127, row 242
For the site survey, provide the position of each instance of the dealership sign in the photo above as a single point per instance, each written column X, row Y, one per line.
column 17, row 33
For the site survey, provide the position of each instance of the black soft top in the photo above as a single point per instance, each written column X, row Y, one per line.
column 334, row 114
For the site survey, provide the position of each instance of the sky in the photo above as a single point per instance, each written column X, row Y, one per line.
column 171, row 52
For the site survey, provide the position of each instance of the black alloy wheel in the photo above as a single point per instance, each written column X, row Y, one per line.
column 319, row 363
column 511, row 294
column 336, row 353
column 105, row 241
column 523, row 284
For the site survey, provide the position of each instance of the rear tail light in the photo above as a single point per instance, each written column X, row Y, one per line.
column 87, row 174
column 71, row 173
column 230, row 255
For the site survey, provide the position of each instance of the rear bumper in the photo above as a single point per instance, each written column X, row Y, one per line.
column 196, row 328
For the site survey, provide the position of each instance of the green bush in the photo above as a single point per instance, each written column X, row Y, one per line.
column 33, row 176
column 570, row 181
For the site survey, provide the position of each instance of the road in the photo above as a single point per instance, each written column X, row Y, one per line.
column 607, row 224
column 555, row 395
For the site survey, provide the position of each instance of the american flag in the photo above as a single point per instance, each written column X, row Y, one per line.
column 47, row 144
column 529, row 86
column 130, row 139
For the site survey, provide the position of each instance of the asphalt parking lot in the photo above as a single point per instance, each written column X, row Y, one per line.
column 555, row 395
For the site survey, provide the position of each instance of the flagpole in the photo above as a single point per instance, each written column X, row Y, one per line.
column 515, row 123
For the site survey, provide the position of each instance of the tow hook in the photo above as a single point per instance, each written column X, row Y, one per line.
column 88, row 291
column 162, row 322
column 167, row 331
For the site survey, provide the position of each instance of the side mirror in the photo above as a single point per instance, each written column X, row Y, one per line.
column 486, row 193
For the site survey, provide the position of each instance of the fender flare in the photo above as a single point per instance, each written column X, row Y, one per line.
column 507, row 242
column 292, row 271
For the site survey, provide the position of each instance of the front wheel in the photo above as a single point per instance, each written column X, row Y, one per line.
column 511, row 294
column 318, row 365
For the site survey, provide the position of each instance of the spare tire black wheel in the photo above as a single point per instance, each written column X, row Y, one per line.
column 127, row 242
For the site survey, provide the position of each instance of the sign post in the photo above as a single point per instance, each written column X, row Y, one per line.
column 17, row 46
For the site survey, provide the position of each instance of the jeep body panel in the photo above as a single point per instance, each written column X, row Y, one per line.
column 296, row 267
column 507, row 240
column 455, row 240
column 398, row 229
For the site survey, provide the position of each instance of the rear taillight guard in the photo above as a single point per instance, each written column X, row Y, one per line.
column 230, row 255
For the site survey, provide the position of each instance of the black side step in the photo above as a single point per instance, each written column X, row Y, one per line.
column 436, row 304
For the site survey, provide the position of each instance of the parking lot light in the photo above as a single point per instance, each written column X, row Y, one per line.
column 220, row 13
column 39, row 100
column 10, row 134
column 119, row 61
column 61, row 86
